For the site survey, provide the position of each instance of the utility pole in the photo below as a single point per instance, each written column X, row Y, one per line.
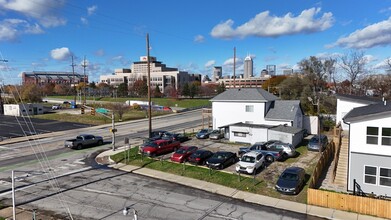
column 74, row 81
column 2, row 91
column 85, row 80
column 149, row 91
column 234, row 66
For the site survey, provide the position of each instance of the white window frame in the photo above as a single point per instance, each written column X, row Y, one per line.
column 373, row 136
column 376, row 178
column 383, row 177
column 386, row 137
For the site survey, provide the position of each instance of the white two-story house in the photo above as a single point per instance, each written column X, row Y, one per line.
column 345, row 103
column 252, row 114
column 369, row 162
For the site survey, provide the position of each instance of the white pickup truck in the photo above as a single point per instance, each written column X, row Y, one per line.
column 83, row 140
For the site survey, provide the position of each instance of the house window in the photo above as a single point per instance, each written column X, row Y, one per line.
column 249, row 108
column 385, row 177
column 370, row 175
column 239, row 134
column 386, row 136
column 372, row 135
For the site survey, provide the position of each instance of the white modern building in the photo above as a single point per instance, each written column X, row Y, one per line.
column 248, row 67
column 369, row 163
column 246, row 113
column 160, row 74
column 345, row 103
column 23, row 109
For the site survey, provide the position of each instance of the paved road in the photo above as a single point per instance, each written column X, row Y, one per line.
column 103, row 193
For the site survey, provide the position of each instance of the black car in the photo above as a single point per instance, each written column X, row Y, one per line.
column 221, row 160
column 291, row 181
column 157, row 135
column 176, row 136
column 199, row 157
column 203, row 134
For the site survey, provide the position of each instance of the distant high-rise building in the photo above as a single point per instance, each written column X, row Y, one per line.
column 217, row 73
column 287, row 71
column 248, row 67
column 271, row 70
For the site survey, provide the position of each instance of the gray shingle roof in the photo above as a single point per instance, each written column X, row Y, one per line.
column 287, row 129
column 366, row 111
column 244, row 95
column 358, row 99
column 284, row 110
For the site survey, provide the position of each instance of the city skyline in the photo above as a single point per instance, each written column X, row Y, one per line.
column 42, row 35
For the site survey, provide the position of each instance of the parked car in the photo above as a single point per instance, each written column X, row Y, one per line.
column 221, row 160
column 56, row 107
column 313, row 144
column 250, row 162
column 183, row 153
column 291, row 181
column 288, row 149
column 203, row 134
column 216, row 135
column 255, row 146
column 158, row 147
column 271, row 153
column 200, row 156
column 156, row 135
column 83, row 140
column 176, row 136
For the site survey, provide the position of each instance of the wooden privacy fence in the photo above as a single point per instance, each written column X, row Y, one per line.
column 322, row 164
column 351, row 203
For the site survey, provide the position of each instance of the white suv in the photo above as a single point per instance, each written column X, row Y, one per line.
column 250, row 162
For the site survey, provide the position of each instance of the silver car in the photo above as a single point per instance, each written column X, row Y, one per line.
column 288, row 149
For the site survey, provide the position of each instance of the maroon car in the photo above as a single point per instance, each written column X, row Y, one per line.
column 183, row 153
column 159, row 147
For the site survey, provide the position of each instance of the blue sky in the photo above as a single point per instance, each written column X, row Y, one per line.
column 193, row 36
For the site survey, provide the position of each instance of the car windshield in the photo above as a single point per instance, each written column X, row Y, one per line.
column 220, row 155
column 149, row 144
column 248, row 159
column 290, row 176
column 203, row 131
column 181, row 151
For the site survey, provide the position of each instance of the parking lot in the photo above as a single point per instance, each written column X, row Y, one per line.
column 269, row 175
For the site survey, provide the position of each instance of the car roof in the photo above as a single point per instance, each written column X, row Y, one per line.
column 252, row 153
column 294, row 169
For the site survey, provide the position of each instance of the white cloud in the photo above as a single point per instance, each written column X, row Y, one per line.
column 265, row 25
column 60, row 53
column 44, row 11
column 91, row 10
column 210, row 63
column 378, row 34
column 10, row 29
column 199, row 39
column 84, row 20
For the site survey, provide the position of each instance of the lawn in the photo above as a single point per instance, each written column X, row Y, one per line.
column 96, row 119
column 182, row 103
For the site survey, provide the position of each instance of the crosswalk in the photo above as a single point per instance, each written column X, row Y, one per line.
column 59, row 170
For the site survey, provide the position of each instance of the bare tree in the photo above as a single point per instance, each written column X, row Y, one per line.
column 353, row 63
column 317, row 70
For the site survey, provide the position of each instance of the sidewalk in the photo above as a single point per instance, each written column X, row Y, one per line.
column 104, row 158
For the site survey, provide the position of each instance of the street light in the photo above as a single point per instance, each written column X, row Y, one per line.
column 125, row 212
column 313, row 102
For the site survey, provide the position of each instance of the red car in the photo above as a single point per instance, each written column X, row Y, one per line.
column 183, row 153
column 159, row 147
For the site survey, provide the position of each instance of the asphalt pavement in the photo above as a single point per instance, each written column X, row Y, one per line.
column 104, row 158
